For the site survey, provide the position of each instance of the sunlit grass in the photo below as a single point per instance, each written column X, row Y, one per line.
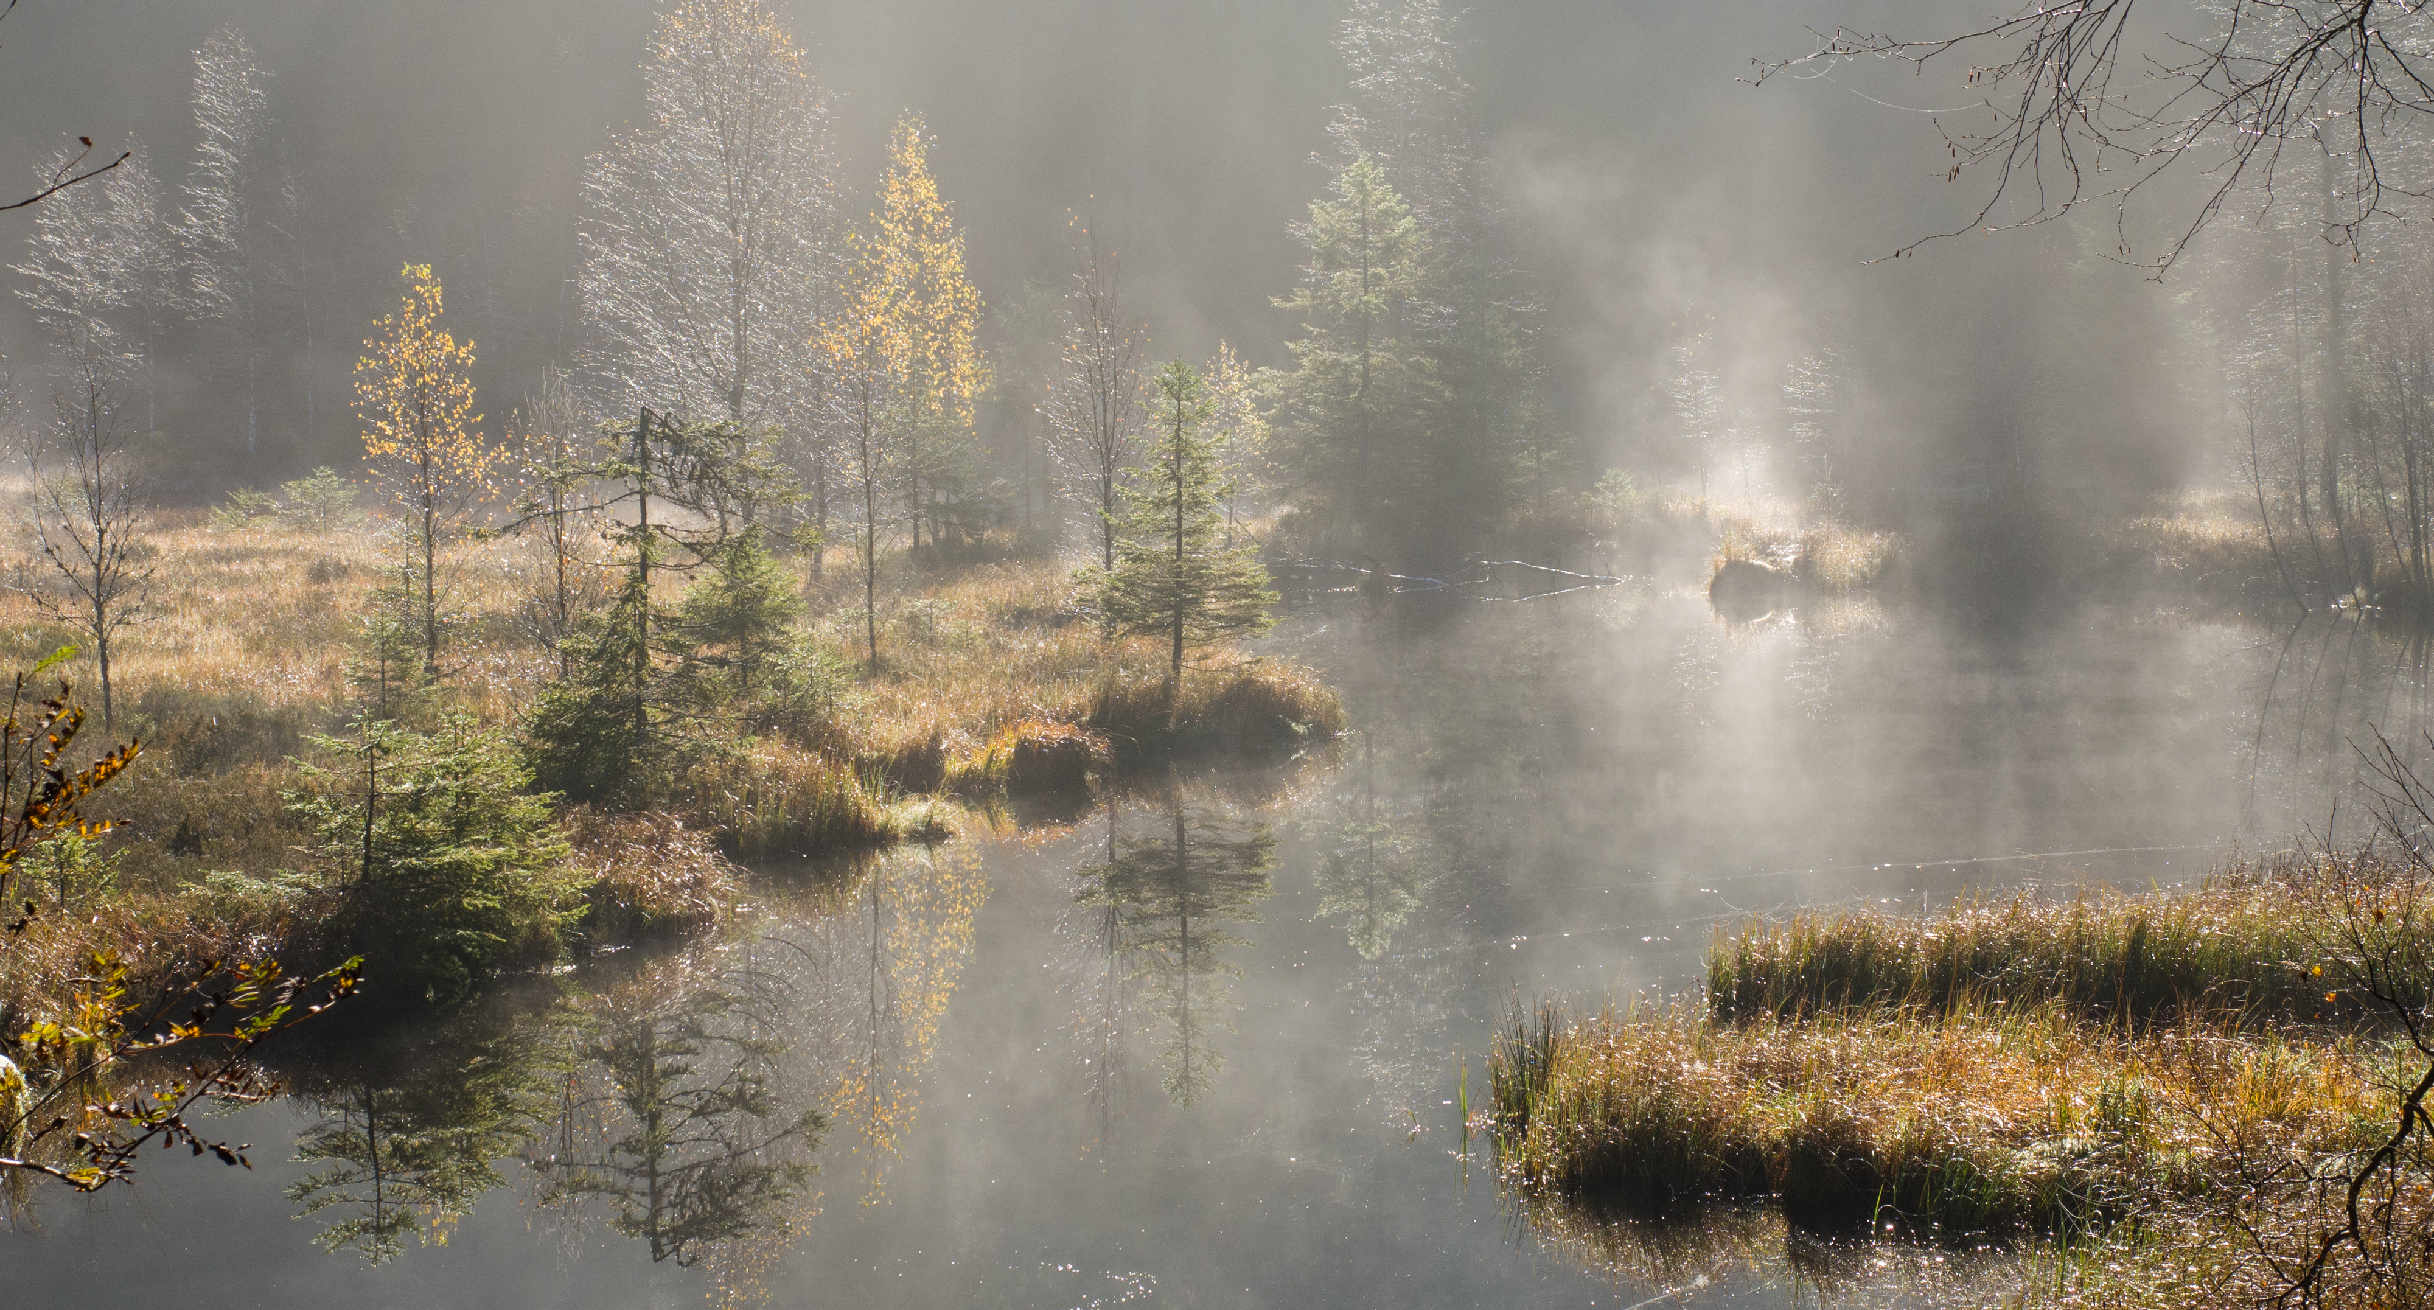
column 2245, row 947
column 1999, row 1119
column 2159, row 1097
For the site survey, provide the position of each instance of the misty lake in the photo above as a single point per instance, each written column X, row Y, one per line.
column 1206, row 1045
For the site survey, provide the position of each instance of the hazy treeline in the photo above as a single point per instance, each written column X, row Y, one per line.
column 731, row 269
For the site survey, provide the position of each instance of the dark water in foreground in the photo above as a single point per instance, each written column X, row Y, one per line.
column 1205, row 1048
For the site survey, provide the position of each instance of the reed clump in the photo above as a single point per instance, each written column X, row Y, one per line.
column 774, row 800
column 648, row 876
column 2246, row 945
column 1251, row 707
column 2174, row 1096
column 1981, row 1121
column 1034, row 758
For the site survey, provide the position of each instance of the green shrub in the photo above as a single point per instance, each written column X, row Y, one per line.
column 459, row 873
column 805, row 693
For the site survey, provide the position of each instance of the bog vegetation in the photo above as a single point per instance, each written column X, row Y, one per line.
column 2197, row 1097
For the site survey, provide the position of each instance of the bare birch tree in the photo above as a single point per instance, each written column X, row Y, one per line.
column 89, row 512
column 84, row 270
column 709, row 236
column 216, row 227
column 1094, row 408
column 2089, row 104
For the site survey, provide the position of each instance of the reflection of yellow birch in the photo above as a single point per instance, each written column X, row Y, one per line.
column 915, row 918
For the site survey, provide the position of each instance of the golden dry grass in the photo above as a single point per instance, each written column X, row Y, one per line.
column 1983, row 1120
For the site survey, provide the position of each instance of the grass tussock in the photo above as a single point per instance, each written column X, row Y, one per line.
column 647, row 876
column 2245, row 947
column 2173, row 1096
column 1823, row 556
column 1034, row 758
column 775, row 800
column 1983, row 1121
column 1250, row 707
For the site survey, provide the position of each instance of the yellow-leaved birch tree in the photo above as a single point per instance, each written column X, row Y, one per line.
column 414, row 398
column 905, row 343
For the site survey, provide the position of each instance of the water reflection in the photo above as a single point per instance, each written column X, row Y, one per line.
column 1206, row 1043
column 1169, row 899
column 403, row 1144
column 876, row 981
column 675, row 1121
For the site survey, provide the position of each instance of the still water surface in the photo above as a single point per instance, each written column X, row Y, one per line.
column 1203, row 1046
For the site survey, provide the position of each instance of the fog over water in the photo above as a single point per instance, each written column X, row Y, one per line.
column 1207, row 1039
column 1567, row 800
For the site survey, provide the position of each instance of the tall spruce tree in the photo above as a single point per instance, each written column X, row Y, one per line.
column 1350, row 409
column 1483, row 433
column 1174, row 575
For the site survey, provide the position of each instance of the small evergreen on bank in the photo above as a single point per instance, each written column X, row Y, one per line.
column 1174, row 576
column 452, row 868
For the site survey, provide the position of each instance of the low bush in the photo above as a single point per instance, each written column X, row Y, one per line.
column 451, row 870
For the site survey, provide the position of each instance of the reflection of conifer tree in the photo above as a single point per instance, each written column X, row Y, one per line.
column 1100, row 985
column 408, row 1148
column 674, row 1120
column 1383, row 871
column 1370, row 878
column 1179, row 891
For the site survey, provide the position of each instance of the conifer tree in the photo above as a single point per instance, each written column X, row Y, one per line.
column 1349, row 409
column 1472, row 313
column 1174, row 577
column 414, row 397
column 458, row 868
column 738, row 619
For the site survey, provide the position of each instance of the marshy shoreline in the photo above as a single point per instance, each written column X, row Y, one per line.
column 998, row 700
column 2160, row 1098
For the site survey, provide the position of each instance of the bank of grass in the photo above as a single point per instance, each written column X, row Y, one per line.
column 994, row 681
column 2208, row 546
column 2163, row 1095
column 1993, row 1120
column 2244, row 947
column 1825, row 555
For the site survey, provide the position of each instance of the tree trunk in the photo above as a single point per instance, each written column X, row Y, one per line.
column 2336, row 391
column 870, row 532
column 1175, row 465
column 642, row 577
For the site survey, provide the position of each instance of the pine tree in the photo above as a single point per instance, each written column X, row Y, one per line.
column 1472, row 314
column 414, row 397
column 740, row 618
column 1350, row 408
column 457, row 868
column 1174, row 577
